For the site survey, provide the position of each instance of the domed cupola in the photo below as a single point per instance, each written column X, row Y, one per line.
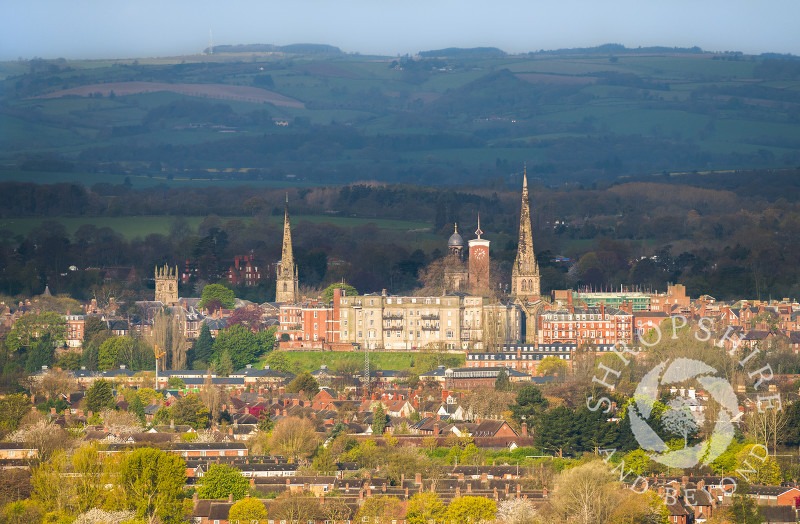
column 456, row 244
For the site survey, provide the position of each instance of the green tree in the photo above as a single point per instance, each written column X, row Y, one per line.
column 240, row 344
column 99, row 396
column 41, row 354
column 424, row 507
column 278, row 361
column 471, row 509
column 225, row 296
column 31, row 327
column 91, row 477
column 529, row 403
column 175, row 383
column 349, row 291
column 324, row 462
column 502, row 383
column 757, row 466
column 13, row 409
column 378, row 420
column 221, row 481
column 304, row 382
column 744, row 509
column 247, row 510
column 552, row 366
column 265, row 340
column 294, row 437
column 204, row 345
column 191, row 411
column 153, row 481
column 136, row 407
column 380, row 509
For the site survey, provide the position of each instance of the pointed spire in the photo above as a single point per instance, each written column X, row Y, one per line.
column 286, row 289
column 525, row 272
column 478, row 231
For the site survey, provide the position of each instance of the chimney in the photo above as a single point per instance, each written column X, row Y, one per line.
column 524, row 429
column 458, row 491
column 544, row 492
column 52, row 411
column 383, row 488
column 230, row 498
column 436, row 428
column 418, row 478
column 361, row 494
column 469, row 487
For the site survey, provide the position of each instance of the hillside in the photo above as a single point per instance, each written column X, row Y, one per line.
column 313, row 115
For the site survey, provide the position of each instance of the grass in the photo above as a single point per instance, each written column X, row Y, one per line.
column 301, row 361
column 141, row 226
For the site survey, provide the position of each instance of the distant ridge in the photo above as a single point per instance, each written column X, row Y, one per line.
column 300, row 49
column 460, row 52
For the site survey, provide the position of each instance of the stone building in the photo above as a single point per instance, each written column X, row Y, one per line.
column 525, row 278
column 453, row 321
column 167, row 285
column 287, row 288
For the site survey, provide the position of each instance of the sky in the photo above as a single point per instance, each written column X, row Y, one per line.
column 144, row 28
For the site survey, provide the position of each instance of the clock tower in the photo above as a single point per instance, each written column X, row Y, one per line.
column 479, row 261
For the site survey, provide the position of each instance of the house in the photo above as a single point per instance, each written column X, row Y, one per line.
column 17, row 450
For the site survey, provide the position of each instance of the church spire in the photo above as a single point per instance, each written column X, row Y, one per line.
column 286, row 288
column 525, row 280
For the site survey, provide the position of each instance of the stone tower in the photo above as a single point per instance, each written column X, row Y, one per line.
column 455, row 271
column 479, row 262
column 167, row 285
column 525, row 279
column 286, row 288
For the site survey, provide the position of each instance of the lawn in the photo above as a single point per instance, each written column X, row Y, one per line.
column 414, row 362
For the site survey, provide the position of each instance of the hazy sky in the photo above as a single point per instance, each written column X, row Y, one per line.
column 136, row 28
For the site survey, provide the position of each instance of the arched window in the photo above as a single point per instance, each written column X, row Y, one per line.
column 524, row 285
column 284, row 286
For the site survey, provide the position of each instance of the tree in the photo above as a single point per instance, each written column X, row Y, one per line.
column 13, row 409
column 294, row 507
column 226, row 296
column 679, row 419
column 744, row 509
column 324, row 463
column 191, row 411
column 54, row 383
column 585, row 494
column 304, row 382
column 221, row 481
column 204, row 345
column 168, row 334
column 175, row 383
column 91, row 477
column 757, row 467
column 153, row 482
column 502, row 383
column 46, row 437
column 378, row 420
column 31, row 327
column 552, row 366
column 380, row 509
column 471, row 509
column 247, row 510
column 239, row 343
column 529, row 403
column 327, row 293
column 294, row 437
column 249, row 317
column 424, row 507
column 99, row 396
column 41, row 354
column 633, row 507
column 516, row 511
column 278, row 361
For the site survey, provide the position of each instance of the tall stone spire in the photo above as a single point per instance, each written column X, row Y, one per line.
column 525, row 279
column 286, row 288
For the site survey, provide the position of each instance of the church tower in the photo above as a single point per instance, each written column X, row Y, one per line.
column 286, row 288
column 479, row 261
column 167, row 285
column 525, row 279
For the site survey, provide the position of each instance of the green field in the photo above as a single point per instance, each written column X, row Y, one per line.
column 141, row 226
column 301, row 361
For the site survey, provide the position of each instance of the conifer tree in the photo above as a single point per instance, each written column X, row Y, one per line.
column 204, row 345
column 378, row 420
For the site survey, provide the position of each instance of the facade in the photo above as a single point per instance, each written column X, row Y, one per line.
column 479, row 261
column 244, row 271
column 167, row 285
column 596, row 326
column 455, row 272
column 452, row 321
column 75, row 330
column 309, row 325
column 286, row 288
column 525, row 278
